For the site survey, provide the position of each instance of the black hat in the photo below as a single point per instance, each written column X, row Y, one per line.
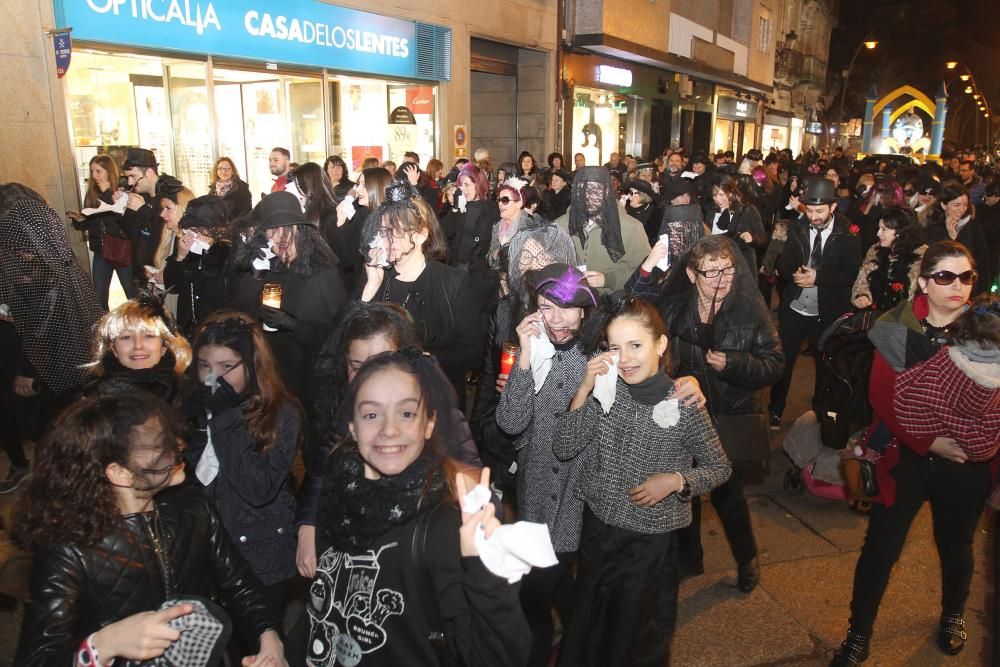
column 926, row 185
column 140, row 157
column 206, row 212
column 564, row 285
column 700, row 158
column 563, row 174
column 644, row 166
column 819, row 191
column 167, row 187
column 279, row 209
column 671, row 189
column 755, row 154
column 643, row 186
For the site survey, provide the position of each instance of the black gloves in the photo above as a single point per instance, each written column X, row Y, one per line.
column 278, row 319
column 222, row 399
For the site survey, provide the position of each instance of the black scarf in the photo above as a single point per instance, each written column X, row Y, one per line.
column 724, row 219
column 354, row 511
column 651, row 390
column 160, row 380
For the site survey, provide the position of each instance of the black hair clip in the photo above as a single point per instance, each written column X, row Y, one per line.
column 146, row 298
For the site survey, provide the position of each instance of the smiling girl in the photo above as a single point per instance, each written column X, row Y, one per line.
column 638, row 475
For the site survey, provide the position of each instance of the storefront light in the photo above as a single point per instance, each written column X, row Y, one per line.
column 614, row 76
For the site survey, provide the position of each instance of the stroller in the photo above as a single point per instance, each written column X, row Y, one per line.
column 840, row 412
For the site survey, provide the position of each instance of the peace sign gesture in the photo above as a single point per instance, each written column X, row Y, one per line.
column 470, row 522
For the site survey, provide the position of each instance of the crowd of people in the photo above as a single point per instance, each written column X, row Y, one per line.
column 588, row 349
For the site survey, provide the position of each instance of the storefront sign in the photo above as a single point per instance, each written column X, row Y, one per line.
column 304, row 32
column 736, row 108
column 461, row 140
column 64, row 51
column 401, row 116
column 420, row 99
column 814, row 127
column 614, row 76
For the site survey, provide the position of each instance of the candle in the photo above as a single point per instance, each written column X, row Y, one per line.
column 507, row 358
column 271, row 296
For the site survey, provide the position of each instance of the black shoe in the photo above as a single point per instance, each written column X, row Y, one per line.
column 748, row 575
column 951, row 634
column 775, row 420
column 14, row 479
column 853, row 650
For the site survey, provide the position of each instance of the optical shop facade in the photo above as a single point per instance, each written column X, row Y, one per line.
column 199, row 79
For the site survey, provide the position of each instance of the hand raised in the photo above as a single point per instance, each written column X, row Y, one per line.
column 471, row 521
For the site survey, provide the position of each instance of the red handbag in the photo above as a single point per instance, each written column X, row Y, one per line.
column 115, row 250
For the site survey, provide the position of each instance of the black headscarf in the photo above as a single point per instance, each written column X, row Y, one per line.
column 594, row 200
column 52, row 301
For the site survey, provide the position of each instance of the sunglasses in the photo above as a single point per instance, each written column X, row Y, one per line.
column 505, row 200
column 948, row 277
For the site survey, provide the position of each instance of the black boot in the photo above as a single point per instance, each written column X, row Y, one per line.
column 951, row 634
column 748, row 575
column 853, row 650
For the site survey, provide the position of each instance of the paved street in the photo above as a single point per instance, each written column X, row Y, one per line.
column 798, row 614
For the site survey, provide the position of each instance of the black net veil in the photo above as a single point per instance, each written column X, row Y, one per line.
column 594, row 200
column 51, row 299
column 535, row 246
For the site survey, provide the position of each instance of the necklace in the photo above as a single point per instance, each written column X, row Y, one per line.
column 385, row 294
column 151, row 523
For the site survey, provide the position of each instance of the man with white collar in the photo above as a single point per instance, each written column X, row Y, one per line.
column 819, row 264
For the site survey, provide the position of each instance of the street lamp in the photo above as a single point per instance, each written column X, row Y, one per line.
column 951, row 64
column 869, row 44
column 964, row 77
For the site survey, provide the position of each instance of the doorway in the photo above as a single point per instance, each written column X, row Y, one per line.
column 660, row 127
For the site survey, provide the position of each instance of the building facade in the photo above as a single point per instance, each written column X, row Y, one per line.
column 642, row 78
column 198, row 79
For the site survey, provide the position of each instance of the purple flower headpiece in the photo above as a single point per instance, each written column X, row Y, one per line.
column 566, row 285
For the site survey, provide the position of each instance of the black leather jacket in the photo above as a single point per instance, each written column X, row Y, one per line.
column 76, row 590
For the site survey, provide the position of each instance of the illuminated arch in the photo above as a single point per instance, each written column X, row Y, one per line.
column 912, row 104
column 899, row 92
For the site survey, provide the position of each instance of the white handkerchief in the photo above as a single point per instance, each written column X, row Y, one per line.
column 542, row 351
column 199, row 247
column 461, row 205
column 689, row 174
column 667, row 413
column 103, row 207
column 664, row 263
column 605, row 386
column 512, row 550
column 379, row 243
column 265, row 263
column 475, row 499
column 208, row 464
column 348, row 206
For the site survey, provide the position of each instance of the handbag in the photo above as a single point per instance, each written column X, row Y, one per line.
column 116, row 250
column 444, row 644
column 744, row 437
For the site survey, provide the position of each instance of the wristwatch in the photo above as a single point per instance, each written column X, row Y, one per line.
column 685, row 492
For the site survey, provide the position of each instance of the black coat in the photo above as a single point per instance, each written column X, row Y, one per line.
column 77, row 590
column 972, row 237
column 841, row 262
column 238, row 199
column 746, row 219
column 201, row 283
column 97, row 225
column 446, row 317
column 252, row 492
column 315, row 301
column 144, row 227
column 345, row 241
column 745, row 330
column 469, row 235
column 557, row 203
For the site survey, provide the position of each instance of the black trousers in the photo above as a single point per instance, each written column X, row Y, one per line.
column 626, row 598
column 957, row 493
column 543, row 589
column 794, row 328
column 731, row 505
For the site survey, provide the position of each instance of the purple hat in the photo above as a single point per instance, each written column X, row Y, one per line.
column 564, row 285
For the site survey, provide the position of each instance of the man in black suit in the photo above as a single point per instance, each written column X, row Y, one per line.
column 819, row 264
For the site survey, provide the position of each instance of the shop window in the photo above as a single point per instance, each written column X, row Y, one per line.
column 192, row 128
column 599, row 124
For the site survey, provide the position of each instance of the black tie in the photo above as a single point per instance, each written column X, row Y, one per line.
column 816, row 256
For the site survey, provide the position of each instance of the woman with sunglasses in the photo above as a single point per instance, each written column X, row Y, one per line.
column 912, row 470
column 723, row 334
column 951, row 217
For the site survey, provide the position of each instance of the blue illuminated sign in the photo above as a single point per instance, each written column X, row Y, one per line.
column 301, row 32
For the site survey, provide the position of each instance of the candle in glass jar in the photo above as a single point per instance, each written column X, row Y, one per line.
column 271, row 296
column 507, row 358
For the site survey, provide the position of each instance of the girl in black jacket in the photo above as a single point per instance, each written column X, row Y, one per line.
column 397, row 557
column 245, row 434
column 110, row 544
column 405, row 266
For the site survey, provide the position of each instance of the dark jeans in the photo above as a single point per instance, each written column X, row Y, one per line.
column 543, row 589
column 794, row 328
column 101, row 275
column 957, row 493
column 731, row 505
column 10, row 429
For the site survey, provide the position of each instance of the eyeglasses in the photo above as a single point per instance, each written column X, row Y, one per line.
column 944, row 278
column 505, row 200
column 715, row 273
column 633, row 192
